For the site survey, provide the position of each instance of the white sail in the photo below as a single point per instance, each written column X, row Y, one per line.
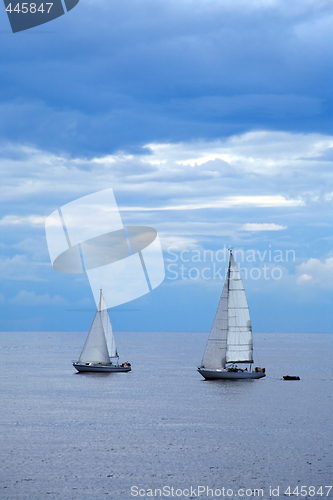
column 99, row 351
column 95, row 349
column 230, row 339
column 108, row 332
column 239, row 342
column 215, row 353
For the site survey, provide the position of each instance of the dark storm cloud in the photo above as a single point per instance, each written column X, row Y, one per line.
column 112, row 75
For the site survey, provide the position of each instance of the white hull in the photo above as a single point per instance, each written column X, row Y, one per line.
column 101, row 368
column 228, row 375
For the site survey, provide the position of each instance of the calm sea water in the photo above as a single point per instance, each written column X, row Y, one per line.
column 91, row 436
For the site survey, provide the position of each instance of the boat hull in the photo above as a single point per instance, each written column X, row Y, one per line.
column 229, row 375
column 101, row 368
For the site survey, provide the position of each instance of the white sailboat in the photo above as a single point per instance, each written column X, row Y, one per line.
column 99, row 353
column 230, row 340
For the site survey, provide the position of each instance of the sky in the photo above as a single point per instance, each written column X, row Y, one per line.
column 212, row 123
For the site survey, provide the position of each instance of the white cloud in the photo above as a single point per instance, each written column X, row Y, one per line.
column 315, row 272
column 178, row 242
column 86, row 302
column 20, row 268
column 174, row 185
column 29, row 220
column 227, row 202
column 262, row 227
column 198, row 173
column 35, row 247
column 25, row 298
column 304, row 278
column 262, row 152
column 329, row 196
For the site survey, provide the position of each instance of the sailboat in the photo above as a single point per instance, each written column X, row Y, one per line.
column 230, row 340
column 99, row 353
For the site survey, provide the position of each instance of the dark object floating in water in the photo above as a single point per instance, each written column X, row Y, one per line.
column 290, row 377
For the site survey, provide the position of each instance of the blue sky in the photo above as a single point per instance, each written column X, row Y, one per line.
column 211, row 121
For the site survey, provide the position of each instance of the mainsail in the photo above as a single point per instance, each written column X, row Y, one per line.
column 216, row 349
column 230, row 339
column 100, row 344
column 108, row 332
column 239, row 343
column 95, row 349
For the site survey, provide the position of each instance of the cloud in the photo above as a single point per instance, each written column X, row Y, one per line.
column 262, row 227
column 262, row 176
column 178, row 242
column 314, row 272
column 142, row 72
column 246, row 190
column 30, row 220
column 85, row 302
column 20, row 268
column 206, row 116
column 262, row 152
column 25, row 298
column 229, row 202
column 180, row 170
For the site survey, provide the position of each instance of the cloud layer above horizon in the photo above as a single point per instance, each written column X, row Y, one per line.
column 211, row 121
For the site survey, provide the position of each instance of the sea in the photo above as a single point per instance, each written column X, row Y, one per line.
column 162, row 431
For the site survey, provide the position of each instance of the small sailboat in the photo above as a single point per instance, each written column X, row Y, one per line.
column 99, row 353
column 230, row 340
